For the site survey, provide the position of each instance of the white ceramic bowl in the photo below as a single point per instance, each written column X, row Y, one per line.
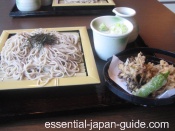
column 28, row 5
column 107, row 44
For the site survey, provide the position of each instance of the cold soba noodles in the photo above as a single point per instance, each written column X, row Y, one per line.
column 40, row 55
column 80, row 1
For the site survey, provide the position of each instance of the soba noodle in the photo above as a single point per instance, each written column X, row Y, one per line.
column 20, row 60
column 80, row 1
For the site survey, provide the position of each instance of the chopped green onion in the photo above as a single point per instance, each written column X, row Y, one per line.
column 103, row 27
column 117, row 28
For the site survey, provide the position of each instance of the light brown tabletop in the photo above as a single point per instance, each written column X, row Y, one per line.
column 156, row 28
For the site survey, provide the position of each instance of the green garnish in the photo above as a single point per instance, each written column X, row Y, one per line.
column 103, row 27
column 118, row 28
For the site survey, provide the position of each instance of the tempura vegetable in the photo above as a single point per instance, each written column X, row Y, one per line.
column 153, row 85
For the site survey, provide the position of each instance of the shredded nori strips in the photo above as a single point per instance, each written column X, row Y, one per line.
column 40, row 40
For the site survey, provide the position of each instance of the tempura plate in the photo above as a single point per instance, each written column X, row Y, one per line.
column 152, row 55
column 87, row 75
column 60, row 3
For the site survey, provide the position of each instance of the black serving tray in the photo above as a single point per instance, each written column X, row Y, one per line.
column 24, row 103
column 63, row 11
column 43, row 11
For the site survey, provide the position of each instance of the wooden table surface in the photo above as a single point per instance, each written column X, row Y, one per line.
column 156, row 28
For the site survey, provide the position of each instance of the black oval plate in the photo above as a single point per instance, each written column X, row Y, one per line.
column 150, row 54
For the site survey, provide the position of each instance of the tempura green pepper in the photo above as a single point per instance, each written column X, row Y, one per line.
column 154, row 84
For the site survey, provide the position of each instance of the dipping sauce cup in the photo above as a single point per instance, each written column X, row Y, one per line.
column 107, row 44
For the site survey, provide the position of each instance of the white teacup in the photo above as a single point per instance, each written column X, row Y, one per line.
column 108, row 44
column 28, row 5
